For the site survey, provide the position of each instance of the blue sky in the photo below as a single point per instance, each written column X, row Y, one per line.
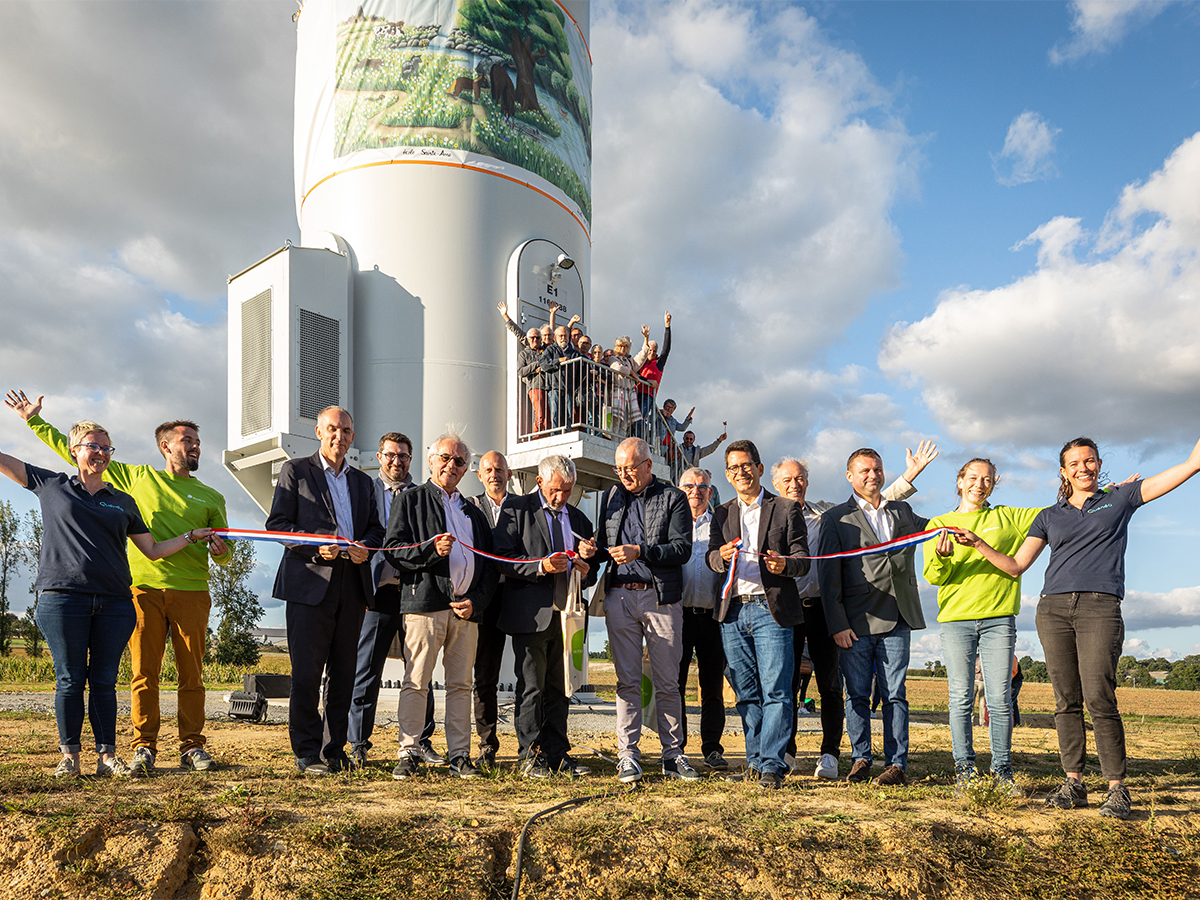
column 835, row 200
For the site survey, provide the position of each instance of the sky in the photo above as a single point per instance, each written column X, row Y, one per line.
column 886, row 221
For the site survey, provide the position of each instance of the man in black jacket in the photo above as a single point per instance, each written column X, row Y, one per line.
column 646, row 536
column 444, row 587
column 765, row 540
column 562, row 380
column 326, row 587
column 539, row 529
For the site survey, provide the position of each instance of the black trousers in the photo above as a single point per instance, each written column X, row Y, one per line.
column 541, row 699
column 378, row 631
column 824, row 655
column 488, row 654
column 702, row 636
column 324, row 638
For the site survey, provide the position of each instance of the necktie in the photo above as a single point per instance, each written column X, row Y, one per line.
column 561, row 579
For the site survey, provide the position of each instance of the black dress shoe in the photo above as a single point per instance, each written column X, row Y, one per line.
column 311, row 766
column 338, row 763
column 486, row 759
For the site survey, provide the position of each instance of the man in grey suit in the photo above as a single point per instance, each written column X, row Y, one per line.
column 382, row 621
column 871, row 607
column 326, row 587
column 494, row 473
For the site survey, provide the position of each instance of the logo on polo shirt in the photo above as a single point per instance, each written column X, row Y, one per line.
column 1098, row 508
column 110, row 506
column 993, row 528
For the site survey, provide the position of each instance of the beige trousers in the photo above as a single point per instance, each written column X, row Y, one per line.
column 424, row 635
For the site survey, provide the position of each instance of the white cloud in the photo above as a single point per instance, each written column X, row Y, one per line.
column 744, row 174
column 1177, row 608
column 1027, row 149
column 1099, row 25
column 1105, row 341
column 1136, row 647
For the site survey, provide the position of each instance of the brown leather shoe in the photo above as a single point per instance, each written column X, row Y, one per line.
column 859, row 772
column 892, row 775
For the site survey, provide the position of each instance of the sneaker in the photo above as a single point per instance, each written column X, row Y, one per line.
column 679, row 767
column 748, row 775
column 142, row 764
column 628, row 771
column 790, row 762
column 770, row 781
column 198, row 760
column 535, row 767
column 716, row 760
column 406, row 768
column 827, row 767
column 311, row 766
column 892, row 776
column 965, row 777
column 1117, row 804
column 113, row 767
column 464, row 768
column 358, row 757
column 859, row 772
column 572, row 767
column 68, row 767
column 431, row 757
column 1071, row 794
column 1002, row 778
column 811, row 706
column 486, row 759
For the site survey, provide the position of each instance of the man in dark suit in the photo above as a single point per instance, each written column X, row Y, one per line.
column 326, row 587
column 494, row 473
column 540, row 528
column 445, row 588
column 871, row 607
column 765, row 540
column 382, row 621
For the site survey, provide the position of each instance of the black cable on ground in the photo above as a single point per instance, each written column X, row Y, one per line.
column 559, row 807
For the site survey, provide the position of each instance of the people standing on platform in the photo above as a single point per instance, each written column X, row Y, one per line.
column 170, row 595
column 382, row 622
column 562, row 378
column 445, row 589
column 537, row 531
column 326, row 587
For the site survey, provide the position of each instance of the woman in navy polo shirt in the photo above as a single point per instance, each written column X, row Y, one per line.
column 1079, row 615
column 85, row 608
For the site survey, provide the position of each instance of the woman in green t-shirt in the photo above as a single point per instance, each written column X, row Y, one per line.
column 977, row 609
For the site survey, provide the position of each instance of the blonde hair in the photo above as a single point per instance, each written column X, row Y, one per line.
column 82, row 429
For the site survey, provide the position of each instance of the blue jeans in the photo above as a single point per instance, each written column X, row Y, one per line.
column 994, row 640
column 86, row 634
column 885, row 656
column 760, row 656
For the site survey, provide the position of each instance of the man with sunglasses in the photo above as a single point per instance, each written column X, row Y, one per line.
column 645, row 534
column 326, row 587
column 445, row 588
column 382, row 621
column 170, row 594
column 702, row 632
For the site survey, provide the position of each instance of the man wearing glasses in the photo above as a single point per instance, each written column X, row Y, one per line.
column 326, row 587
column 382, row 622
column 645, row 532
column 170, row 594
column 444, row 590
column 702, row 632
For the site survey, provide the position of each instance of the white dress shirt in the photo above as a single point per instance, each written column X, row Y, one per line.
column 339, row 491
column 462, row 560
column 749, row 575
column 699, row 584
column 807, row 583
column 881, row 522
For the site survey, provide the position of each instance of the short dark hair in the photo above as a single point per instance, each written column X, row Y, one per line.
column 396, row 438
column 862, row 451
column 167, row 427
column 743, row 447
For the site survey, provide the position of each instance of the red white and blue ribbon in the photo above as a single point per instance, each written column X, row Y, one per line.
column 321, row 540
column 900, row 543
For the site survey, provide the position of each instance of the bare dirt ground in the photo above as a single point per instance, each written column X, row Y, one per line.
column 254, row 829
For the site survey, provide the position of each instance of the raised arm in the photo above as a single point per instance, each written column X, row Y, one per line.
column 554, row 308
column 117, row 473
column 1165, row 482
column 509, row 323
column 1016, row 565
column 665, row 350
column 13, row 468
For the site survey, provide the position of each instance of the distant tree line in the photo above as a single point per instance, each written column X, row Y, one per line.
column 1182, row 674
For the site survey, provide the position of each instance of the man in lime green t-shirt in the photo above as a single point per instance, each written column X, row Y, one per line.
column 169, row 594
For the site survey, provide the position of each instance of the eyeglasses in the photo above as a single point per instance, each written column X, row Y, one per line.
column 446, row 458
column 392, row 457
column 743, row 468
column 627, row 471
column 695, row 487
column 97, row 448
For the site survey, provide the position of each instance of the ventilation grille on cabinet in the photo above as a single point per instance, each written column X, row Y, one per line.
column 256, row 364
column 319, row 363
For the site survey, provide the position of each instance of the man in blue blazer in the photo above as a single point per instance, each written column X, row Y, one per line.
column 326, row 587
column 871, row 608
